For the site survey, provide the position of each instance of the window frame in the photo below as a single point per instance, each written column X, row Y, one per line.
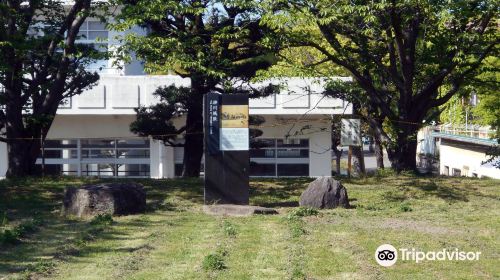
column 276, row 160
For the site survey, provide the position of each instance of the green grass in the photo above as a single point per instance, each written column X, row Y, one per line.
column 175, row 240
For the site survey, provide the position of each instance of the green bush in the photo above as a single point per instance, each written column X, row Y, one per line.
column 214, row 261
column 229, row 228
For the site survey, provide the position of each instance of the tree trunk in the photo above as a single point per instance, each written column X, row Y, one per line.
column 379, row 152
column 22, row 155
column 378, row 137
column 193, row 145
column 403, row 153
column 338, row 156
column 358, row 164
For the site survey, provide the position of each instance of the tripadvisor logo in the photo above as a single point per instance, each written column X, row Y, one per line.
column 387, row 255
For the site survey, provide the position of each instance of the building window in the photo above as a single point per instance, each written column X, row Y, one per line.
column 279, row 157
column 93, row 31
column 133, row 170
column 262, row 169
column 293, row 169
column 60, row 169
column 95, row 34
column 97, row 157
column 98, row 169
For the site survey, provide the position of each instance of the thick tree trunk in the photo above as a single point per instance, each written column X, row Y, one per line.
column 22, row 155
column 193, row 145
column 379, row 152
column 403, row 153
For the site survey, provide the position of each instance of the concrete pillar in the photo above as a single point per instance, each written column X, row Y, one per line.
column 320, row 153
column 168, row 162
column 66, row 154
column 4, row 164
column 155, row 157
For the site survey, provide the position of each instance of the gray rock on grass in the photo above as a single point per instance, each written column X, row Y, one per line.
column 325, row 192
column 112, row 198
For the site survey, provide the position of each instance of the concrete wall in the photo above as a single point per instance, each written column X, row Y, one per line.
column 90, row 127
column 469, row 161
column 119, row 95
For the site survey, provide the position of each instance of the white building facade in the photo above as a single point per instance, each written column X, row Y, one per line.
column 465, row 155
column 90, row 134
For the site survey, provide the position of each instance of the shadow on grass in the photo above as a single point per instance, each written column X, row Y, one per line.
column 277, row 192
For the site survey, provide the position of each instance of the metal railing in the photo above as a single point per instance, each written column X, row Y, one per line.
column 480, row 132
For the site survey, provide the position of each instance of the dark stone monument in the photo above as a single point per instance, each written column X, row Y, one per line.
column 325, row 192
column 114, row 199
column 226, row 149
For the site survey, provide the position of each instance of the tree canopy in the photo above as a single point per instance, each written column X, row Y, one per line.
column 409, row 57
column 219, row 45
column 41, row 64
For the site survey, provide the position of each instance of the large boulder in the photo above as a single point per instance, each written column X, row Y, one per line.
column 113, row 198
column 324, row 192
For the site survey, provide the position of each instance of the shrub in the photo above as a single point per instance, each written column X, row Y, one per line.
column 214, row 261
column 229, row 228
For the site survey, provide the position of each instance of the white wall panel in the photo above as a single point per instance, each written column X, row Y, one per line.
column 295, row 97
column 125, row 95
column 264, row 102
column 94, row 98
column 329, row 103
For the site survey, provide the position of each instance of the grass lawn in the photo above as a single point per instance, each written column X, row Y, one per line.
column 175, row 240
